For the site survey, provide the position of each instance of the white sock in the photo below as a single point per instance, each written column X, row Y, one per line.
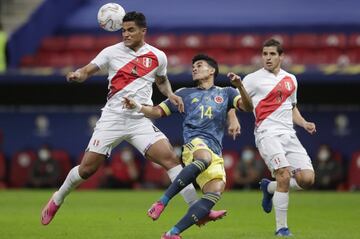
column 293, row 185
column 72, row 180
column 272, row 187
column 188, row 193
column 281, row 203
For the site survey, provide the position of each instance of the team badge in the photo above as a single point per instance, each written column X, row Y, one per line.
column 218, row 99
column 288, row 85
column 147, row 62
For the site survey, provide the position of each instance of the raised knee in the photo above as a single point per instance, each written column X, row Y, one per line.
column 86, row 171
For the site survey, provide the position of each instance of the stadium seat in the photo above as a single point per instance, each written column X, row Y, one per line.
column 230, row 161
column 283, row 38
column 53, row 44
column 181, row 58
column 163, row 41
column 154, row 176
column 332, row 40
column 57, row 60
column 354, row 40
column 20, row 168
column 238, row 57
column 104, row 41
column 64, row 161
column 29, row 61
column 81, row 42
column 354, row 171
column 192, row 41
column 220, row 41
column 304, row 40
column 248, row 41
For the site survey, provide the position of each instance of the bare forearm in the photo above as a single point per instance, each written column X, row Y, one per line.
column 297, row 117
column 152, row 112
column 247, row 104
column 164, row 85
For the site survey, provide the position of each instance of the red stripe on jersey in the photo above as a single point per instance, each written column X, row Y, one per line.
column 135, row 69
column 274, row 99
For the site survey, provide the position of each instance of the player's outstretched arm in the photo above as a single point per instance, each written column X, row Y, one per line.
column 310, row 127
column 152, row 112
column 245, row 102
column 82, row 74
column 233, row 124
column 164, row 86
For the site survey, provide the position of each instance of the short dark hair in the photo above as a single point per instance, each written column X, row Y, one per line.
column 275, row 43
column 208, row 60
column 137, row 17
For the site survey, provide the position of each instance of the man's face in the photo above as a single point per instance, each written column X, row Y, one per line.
column 201, row 70
column 132, row 34
column 271, row 58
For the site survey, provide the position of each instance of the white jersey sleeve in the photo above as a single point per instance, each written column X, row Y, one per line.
column 162, row 69
column 102, row 59
column 293, row 97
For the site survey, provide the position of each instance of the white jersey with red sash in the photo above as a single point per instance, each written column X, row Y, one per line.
column 273, row 97
column 130, row 74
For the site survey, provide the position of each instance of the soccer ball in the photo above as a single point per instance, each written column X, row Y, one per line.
column 110, row 16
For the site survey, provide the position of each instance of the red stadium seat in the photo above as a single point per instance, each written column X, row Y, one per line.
column 283, row 38
column 102, row 42
column 20, row 168
column 192, row 41
column 304, row 40
column 155, row 176
column 252, row 41
column 29, row 61
column 230, row 161
column 337, row 40
column 354, row 40
column 64, row 161
column 239, row 57
column 354, row 171
column 53, row 44
column 220, row 40
column 164, row 41
column 180, row 58
column 57, row 60
column 81, row 42
column 353, row 55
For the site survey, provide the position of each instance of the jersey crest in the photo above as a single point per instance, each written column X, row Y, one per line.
column 218, row 99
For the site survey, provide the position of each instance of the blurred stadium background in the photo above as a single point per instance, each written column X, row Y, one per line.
column 46, row 39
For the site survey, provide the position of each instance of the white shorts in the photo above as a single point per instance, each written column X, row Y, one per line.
column 110, row 132
column 284, row 150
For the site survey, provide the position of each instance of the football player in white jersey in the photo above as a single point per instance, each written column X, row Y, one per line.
column 133, row 66
column 273, row 93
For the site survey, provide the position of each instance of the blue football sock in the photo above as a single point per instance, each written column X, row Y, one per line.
column 198, row 211
column 187, row 175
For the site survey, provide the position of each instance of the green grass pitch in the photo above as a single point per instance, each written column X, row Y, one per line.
column 121, row 214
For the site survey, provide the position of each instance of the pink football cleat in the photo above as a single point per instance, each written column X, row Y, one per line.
column 49, row 212
column 213, row 216
column 156, row 209
column 164, row 236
